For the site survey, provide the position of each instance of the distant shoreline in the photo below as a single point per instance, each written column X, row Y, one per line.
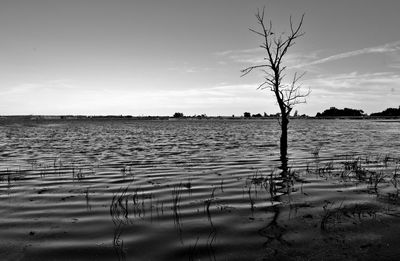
column 128, row 117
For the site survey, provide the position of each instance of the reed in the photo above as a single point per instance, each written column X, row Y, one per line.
column 257, row 179
column 118, row 243
column 316, row 150
column 208, row 202
column 386, row 159
column 119, row 211
column 188, row 186
column 78, row 174
column 192, row 250
column 272, row 185
column 137, row 207
column 395, row 177
column 87, row 198
column 375, row 178
column 326, row 169
column 210, row 241
column 176, row 199
column 251, row 200
column 329, row 215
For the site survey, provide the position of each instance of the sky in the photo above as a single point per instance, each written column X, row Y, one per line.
column 148, row 57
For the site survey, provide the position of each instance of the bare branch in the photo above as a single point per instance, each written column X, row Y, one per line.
column 256, row 32
column 249, row 69
column 261, row 86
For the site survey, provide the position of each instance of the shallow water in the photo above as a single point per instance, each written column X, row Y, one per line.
column 198, row 190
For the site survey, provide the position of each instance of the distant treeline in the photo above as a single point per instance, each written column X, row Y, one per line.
column 388, row 112
column 329, row 113
column 347, row 112
column 79, row 117
column 334, row 112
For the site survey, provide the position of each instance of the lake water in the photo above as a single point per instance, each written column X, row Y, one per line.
column 199, row 190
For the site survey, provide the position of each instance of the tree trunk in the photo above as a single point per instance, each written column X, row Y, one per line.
column 284, row 142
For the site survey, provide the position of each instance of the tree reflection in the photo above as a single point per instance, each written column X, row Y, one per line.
column 280, row 185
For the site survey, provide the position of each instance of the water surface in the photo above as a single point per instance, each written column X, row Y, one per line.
column 198, row 190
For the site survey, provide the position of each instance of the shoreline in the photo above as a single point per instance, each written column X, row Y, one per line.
column 36, row 118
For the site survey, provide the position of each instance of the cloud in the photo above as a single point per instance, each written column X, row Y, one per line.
column 257, row 56
column 389, row 47
column 395, row 57
column 300, row 60
column 361, row 86
column 213, row 100
column 371, row 92
column 254, row 55
column 187, row 68
column 38, row 86
column 239, row 51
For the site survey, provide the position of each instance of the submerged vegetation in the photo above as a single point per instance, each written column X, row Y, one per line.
column 376, row 174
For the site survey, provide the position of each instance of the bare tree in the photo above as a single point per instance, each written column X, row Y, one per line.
column 287, row 94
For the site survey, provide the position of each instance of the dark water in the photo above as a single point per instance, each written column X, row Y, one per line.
column 198, row 190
